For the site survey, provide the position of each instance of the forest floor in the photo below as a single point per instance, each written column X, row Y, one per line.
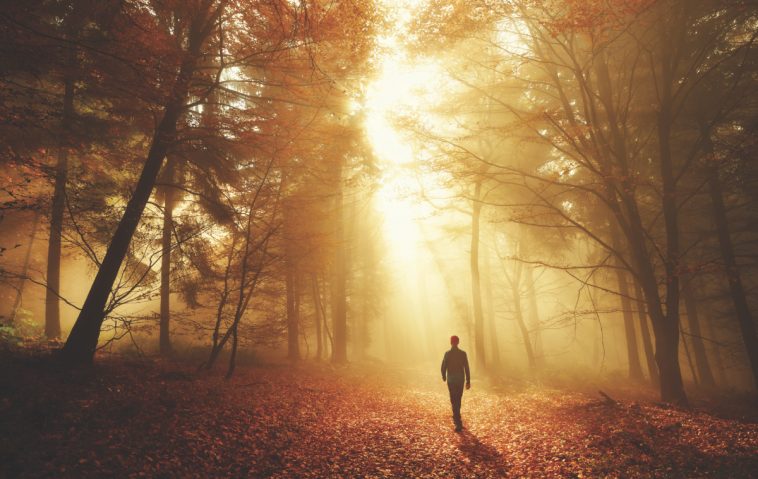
column 141, row 418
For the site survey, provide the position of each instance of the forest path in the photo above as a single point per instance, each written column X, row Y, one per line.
column 134, row 419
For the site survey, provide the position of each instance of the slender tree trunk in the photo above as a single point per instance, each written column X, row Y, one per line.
column 293, row 320
column 534, row 315
column 168, row 228
column 339, row 289
column 317, row 312
column 633, row 356
column 52, row 293
column 491, row 316
column 736, row 289
column 652, row 367
column 233, row 355
column 687, row 354
column 716, row 351
column 25, row 269
column 518, row 311
column 476, row 290
column 323, row 305
column 82, row 342
column 701, row 357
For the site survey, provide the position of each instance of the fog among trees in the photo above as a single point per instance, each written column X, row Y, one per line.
column 569, row 187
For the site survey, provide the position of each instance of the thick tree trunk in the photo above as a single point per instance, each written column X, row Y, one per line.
column 52, row 293
column 701, row 357
column 168, row 228
column 476, row 290
column 736, row 289
column 82, row 342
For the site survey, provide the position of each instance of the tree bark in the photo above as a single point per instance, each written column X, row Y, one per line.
column 339, row 280
column 491, row 326
column 52, row 293
column 652, row 367
column 518, row 311
column 701, row 357
column 633, row 355
column 317, row 315
column 25, row 269
column 534, row 315
column 476, row 290
column 665, row 322
column 293, row 320
column 168, row 228
column 82, row 342
column 687, row 354
column 672, row 388
column 736, row 289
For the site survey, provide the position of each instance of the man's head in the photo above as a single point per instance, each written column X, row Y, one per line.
column 454, row 340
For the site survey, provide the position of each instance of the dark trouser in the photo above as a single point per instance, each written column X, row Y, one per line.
column 456, row 393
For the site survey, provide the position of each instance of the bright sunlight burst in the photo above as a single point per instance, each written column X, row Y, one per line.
column 404, row 89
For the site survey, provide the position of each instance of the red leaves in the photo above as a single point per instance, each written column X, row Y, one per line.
column 139, row 420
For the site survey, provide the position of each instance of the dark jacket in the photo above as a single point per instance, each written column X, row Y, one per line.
column 454, row 365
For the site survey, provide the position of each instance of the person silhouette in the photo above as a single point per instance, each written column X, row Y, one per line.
column 454, row 366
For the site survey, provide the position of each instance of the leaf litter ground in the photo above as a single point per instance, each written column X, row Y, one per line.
column 126, row 418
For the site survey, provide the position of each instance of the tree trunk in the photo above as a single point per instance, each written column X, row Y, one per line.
column 736, row 289
column 25, row 269
column 633, row 355
column 665, row 325
column 233, row 354
column 168, row 228
column 339, row 280
column 476, row 290
column 687, row 354
column 82, row 342
column 317, row 315
column 52, row 293
column 518, row 311
column 293, row 320
column 701, row 357
column 667, row 332
column 491, row 323
column 652, row 367
column 716, row 351
column 534, row 315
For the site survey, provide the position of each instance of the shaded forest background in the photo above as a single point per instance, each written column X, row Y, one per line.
column 203, row 177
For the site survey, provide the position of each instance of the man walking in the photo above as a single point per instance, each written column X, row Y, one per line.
column 454, row 366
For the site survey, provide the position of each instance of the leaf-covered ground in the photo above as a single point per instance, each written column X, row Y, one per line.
column 146, row 419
